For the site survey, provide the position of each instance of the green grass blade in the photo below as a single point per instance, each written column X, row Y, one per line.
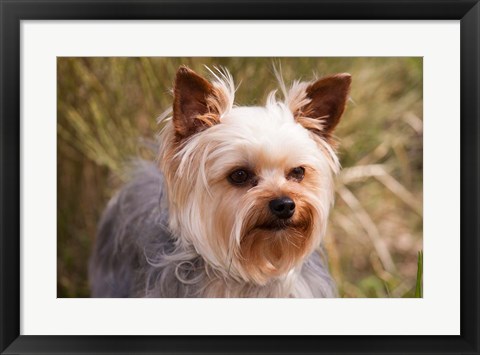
column 419, row 285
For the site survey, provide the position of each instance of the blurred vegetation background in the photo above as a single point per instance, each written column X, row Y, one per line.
column 107, row 109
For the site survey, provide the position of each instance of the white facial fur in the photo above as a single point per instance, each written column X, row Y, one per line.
column 230, row 225
column 269, row 142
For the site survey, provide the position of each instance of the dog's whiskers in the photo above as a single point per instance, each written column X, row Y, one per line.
column 237, row 197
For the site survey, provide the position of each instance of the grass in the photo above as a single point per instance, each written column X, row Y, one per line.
column 419, row 283
column 107, row 109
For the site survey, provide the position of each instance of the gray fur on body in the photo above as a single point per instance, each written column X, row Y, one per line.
column 135, row 255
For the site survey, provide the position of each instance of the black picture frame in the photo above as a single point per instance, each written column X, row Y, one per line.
column 12, row 12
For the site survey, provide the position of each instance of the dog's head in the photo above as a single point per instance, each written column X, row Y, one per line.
column 250, row 188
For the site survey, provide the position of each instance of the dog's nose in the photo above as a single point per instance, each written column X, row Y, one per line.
column 282, row 207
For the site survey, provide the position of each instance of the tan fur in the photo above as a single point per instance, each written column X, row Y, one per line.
column 265, row 252
column 230, row 226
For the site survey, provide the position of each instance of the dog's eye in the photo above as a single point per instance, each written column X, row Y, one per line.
column 297, row 173
column 239, row 177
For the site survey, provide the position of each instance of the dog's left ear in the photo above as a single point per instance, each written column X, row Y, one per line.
column 194, row 104
column 326, row 98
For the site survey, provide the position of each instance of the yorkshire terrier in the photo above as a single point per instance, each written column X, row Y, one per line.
column 237, row 205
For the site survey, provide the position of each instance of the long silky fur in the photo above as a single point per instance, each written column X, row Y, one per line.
column 136, row 256
column 145, row 250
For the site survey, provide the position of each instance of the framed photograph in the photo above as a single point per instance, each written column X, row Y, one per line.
column 238, row 177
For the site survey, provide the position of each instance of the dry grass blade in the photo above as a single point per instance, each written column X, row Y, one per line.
column 375, row 155
column 363, row 217
column 358, row 173
column 414, row 122
column 401, row 192
column 362, row 172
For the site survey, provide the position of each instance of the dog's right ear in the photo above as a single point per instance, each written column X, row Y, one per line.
column 324, row 105
column 194, row 108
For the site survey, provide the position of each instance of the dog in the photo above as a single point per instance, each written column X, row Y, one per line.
column 237, row 203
